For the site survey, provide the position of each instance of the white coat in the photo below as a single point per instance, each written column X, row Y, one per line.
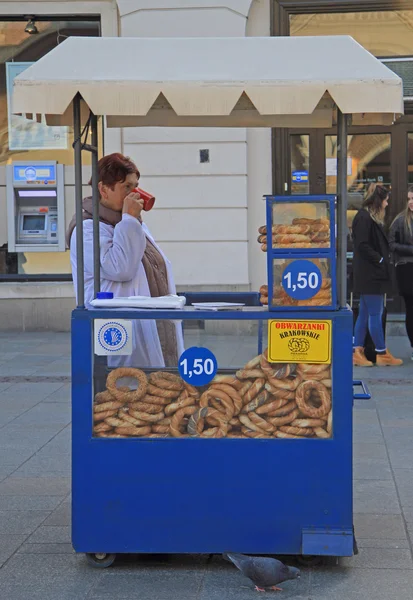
column 122, row 272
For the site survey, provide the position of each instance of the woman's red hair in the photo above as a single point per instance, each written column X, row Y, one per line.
column 114, row 168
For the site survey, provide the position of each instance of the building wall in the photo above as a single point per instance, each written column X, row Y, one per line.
column 207, row 214
column 205, row 210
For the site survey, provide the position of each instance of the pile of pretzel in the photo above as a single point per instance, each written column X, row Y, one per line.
column 302, row 233
column 262, row 400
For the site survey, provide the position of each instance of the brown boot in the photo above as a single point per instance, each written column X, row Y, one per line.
column 359, row 358
column 387, row 360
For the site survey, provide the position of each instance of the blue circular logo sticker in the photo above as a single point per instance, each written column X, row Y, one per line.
column 302, row 279
column 30, row 174
column 197, row 366
column 113, row 337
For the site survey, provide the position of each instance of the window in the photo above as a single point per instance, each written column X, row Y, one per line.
column 21, row 139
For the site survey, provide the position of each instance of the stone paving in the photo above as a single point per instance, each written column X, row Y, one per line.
column 36, row 558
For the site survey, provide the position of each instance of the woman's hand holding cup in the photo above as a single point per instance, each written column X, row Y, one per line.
column 133, row 205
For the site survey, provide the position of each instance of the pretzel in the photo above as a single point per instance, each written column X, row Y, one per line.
column 253, row 434
column 223, row 398
column 290, row 238
column 117, row 422
column 277, row 370
column 285, row 409
column 108, row 435
column 261, row 423
column 253, row 390
column 112, row 405
column 176, row 421
column 160, row 428
column 183, row 401
column 259, row 400
column 304, row 431
column 102, row 397
column 264, row 300
column 285, row 420
column 279, row 392
column 249, row 374
column 167, row 381
column 319, row 227
column 264, row 247
column 306, row 368
column 321, row 433
column 309, row 392
column 253, row 363
column 143, row 416
column 263, row 290
column 291, row 229
column 156, row 400
column 327, row 382
column 303, row 221
column 282, row 434
column 285, row 384
column 271, row 406
column 101, row 427
column 132, row 395
column 309, row 423
column 197, row 420
column 192, row 391
column 330, row 422
column 162, row 393
column 133, row 431
column 151, row 409
column 102, row 416
column 131, row 420
column 232, row 393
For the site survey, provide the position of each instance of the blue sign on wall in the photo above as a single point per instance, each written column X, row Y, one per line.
column 300, row 176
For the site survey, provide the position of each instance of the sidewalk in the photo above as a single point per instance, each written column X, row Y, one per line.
column 38, row 562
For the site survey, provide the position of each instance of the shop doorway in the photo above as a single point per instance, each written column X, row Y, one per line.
column 375, row 155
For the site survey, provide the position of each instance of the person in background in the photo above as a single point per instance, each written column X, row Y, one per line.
column 371, row 275
column 401, row 244
column 131, row 263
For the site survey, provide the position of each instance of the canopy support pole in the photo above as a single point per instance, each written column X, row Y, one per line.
column 342, row 122
column 77, row 144
column 95, row 203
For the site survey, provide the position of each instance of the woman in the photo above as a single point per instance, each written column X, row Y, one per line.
column 371, row 276
column 131, row 264
column 401, row 244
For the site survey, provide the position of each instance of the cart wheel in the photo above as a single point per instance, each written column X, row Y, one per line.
column 100, row 560
column 309, row 561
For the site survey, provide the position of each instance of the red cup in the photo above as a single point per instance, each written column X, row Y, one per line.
column 148, row 199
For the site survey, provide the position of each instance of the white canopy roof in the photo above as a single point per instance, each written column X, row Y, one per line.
column 273, row 81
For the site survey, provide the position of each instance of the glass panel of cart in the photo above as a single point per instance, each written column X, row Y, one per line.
column 299, row 225
column 205, row 379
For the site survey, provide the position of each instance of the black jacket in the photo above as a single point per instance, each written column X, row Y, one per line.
column 401, row 242
column 371, row 274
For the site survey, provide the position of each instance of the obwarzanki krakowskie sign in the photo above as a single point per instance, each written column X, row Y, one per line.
column 291, row 341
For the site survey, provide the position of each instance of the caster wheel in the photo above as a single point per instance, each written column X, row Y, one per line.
column 100, row 560
column 309, row 561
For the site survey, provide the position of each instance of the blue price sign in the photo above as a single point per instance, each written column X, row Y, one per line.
column 302, row 279
column 197, row 366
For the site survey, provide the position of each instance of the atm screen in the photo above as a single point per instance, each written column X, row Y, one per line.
column 34, row 222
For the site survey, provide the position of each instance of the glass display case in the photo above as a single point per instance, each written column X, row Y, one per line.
column 301, row 255
column 233, row 391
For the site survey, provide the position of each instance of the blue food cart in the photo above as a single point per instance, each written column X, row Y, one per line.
column 245, row 442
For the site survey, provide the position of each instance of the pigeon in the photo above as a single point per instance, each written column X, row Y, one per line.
column 264, row 572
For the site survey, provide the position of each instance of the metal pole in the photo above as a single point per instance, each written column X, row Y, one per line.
column 78, row 202
column 95, row 203
column 342, row 208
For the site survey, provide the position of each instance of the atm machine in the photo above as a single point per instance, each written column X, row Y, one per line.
column 35, row 207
